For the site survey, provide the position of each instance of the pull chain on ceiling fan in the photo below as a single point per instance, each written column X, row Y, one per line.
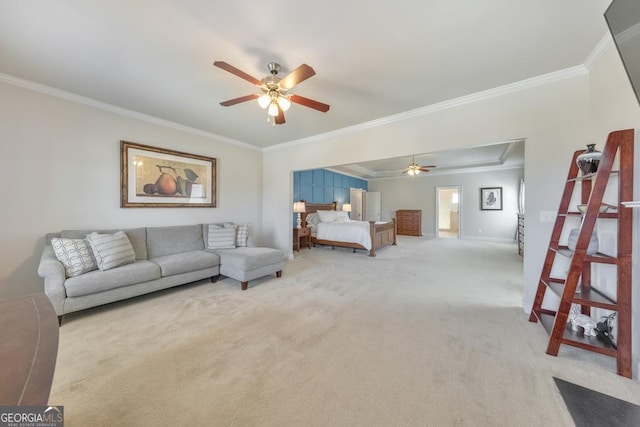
column 274, row 97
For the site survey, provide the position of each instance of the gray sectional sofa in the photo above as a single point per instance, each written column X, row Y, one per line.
column 164, row 257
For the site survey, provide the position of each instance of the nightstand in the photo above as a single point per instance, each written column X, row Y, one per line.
column 301, row 236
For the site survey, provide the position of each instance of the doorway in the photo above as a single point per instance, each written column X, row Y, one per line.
column 448, row 206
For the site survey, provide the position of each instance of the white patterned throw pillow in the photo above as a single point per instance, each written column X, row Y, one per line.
column 111, row 250
column 327, row 216
column 242, row 235
column 221, row 237
column 75, row 255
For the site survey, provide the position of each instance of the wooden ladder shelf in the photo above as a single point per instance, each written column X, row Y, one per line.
column 592, row 191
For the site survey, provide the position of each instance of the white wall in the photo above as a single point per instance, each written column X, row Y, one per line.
column 61, row 169
column 420, row 193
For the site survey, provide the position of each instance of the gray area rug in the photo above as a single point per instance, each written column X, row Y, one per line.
column 592, row 409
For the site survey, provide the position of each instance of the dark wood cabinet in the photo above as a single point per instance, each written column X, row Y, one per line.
column 409, row 222
column 28, row 350
column 521, row 234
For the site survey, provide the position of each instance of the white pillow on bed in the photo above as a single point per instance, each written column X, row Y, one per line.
column 327, row 216
column 313, row 219
column 342, row 216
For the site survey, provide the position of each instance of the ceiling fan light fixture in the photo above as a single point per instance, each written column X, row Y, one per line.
column 273, row 109
column 264, row 100
column 284, row 103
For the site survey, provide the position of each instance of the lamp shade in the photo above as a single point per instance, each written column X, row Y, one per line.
column 284, row 103
column 346, row 207
column 264, row 100
column 273, row 109
column 299, row 207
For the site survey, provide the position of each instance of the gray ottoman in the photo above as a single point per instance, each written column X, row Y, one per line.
column 244, row 264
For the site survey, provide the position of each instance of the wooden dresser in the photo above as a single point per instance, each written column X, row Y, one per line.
column 409, row 222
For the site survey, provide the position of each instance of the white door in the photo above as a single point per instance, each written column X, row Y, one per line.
column 355, row 198
column 372, row 206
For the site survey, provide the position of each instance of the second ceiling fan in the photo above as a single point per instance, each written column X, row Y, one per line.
column 274, row 90
column 415, row 169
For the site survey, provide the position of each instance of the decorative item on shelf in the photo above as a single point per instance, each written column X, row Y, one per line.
column 603, row 208
column 589, row 160
column 604, row 328
column 573, row 239
column 299, row 207
column 578, row 319
column 347, row 208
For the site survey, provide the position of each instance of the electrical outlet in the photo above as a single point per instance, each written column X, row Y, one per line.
column 547, row 216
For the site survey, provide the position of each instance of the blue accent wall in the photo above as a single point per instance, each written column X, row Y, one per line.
column 323, row 186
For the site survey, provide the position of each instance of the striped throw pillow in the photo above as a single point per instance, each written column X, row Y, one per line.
column 75, row 255
column 242, row 234
column 221, row 237
column 111, row 250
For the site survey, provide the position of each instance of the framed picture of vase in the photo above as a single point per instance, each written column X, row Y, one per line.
column 491, row 199
column 152, row 177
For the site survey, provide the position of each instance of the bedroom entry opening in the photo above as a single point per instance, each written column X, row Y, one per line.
column 448, row 205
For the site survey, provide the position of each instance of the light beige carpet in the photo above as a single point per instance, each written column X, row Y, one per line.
column 430, row 332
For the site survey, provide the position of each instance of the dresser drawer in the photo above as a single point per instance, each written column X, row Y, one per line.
column 412, row 230
column 304, row 231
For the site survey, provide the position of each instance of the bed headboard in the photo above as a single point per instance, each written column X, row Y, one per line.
column 311, row 207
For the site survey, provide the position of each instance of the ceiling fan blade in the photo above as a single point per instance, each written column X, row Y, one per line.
column 237, row 72
column 297, row 76
column 425, row 168
column 280, row 117
column 235, row 101
column 309, row 103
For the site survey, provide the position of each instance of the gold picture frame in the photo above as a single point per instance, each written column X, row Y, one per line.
column 152, row 177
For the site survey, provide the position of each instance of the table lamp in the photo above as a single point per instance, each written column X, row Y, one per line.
column 299, row 207
column 346, row 207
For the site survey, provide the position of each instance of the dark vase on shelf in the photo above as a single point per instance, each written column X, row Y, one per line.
column 589, row 160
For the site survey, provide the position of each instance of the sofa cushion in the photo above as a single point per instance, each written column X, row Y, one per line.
column 137, row 238
column 185, row 262
column 248, row 258
column 98, row 281
column 163, row 241
column 242, row 235
column 221, row 237
column 111, row 250
column 75, row 255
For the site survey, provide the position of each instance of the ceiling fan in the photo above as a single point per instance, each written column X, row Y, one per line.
column 415, row 169
column 274, row 90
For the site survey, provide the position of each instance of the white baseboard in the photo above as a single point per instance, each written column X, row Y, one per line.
column 489, row 239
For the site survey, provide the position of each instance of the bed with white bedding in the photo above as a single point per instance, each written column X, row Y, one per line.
column 334, row 228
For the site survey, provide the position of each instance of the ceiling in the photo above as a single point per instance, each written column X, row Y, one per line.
column 490, row 157
column 372, row 60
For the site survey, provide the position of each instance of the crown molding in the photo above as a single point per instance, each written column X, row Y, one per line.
column 603, row 46
column 544, row 79
column 344, row 173
column 69, row 96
